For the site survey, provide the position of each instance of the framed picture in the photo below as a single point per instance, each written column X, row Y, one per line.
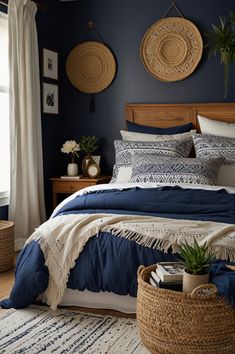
column 50, row 99
column 50, row 64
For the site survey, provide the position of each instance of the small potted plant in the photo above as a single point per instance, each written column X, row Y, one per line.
column 88, row 145
column 71, row 147
column 197, row 261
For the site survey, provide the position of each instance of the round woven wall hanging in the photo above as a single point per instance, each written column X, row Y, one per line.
column 171, row 49
column 91, row 67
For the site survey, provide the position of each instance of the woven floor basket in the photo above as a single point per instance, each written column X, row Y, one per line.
column 172, row 322
column 6, row 245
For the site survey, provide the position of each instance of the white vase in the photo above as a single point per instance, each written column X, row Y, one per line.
column 72, row 169
column 190, row 281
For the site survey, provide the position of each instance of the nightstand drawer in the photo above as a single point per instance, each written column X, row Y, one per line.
column 65, row 186
column 68, row 187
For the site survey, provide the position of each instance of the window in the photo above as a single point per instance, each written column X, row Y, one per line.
column 4, row 113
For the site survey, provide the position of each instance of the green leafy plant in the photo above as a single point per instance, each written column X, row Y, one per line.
column 89, row 144
column 196, row 258
column 221, row 41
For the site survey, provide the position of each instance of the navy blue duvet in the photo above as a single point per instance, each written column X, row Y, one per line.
column 109, row 263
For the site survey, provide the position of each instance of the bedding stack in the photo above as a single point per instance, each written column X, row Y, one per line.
column 169, row 145
column 161, row 157
column 158, row 198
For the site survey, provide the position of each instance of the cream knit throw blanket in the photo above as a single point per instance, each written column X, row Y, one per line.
column 63, row 238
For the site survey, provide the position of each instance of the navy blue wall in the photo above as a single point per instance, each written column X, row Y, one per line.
column 122, row 25
column 3, row 8
column 48, row 25
column 4, row 213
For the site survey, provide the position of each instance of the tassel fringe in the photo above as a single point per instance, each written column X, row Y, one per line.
column 63, row 238
column 55, row 292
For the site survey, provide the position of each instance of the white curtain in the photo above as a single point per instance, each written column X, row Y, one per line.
column 26, row 207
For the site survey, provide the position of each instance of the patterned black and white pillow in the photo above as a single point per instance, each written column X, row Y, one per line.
column 158, row 169
column 214, row 146
column 124, row 150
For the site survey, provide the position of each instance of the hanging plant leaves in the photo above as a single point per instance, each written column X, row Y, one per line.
column 221, row 41
column 232, row 18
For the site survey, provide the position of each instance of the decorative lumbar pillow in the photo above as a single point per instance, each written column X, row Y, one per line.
column 218, row 146
column 216, row 127
column 158, row 169
column 124, row 150
column 132, row 136
column 213, row 146
column 133, row 127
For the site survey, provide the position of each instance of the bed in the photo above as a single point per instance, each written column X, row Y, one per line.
column 111, row 250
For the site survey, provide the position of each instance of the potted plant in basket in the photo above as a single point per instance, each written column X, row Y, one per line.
column 197, row 261
column 88, row 145
column 71, row 147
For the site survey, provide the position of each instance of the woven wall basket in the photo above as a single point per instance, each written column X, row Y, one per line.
column 91, row 67
column 171, row 49
column 172, row 322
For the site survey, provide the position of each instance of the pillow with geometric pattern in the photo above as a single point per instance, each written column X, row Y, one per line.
column 124, row 150
column 207, row 145
column 218, row 146
column 158, row 169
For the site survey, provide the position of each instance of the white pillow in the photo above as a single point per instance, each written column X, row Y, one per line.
column 123, row 174
column 226, row 176
column 133, row 136
column 216, row 127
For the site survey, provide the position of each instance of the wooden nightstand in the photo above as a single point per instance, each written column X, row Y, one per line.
column 69, row 186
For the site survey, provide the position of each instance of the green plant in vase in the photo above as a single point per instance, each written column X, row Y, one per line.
column 197, row 260
column 88, row 145
column 221, row 41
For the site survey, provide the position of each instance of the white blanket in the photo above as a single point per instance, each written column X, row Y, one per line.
column 63, row 238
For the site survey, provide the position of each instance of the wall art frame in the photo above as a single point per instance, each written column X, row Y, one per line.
column 50, row 98
column 50, row 64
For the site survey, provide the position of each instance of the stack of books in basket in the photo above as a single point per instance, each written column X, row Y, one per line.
column 168, row 275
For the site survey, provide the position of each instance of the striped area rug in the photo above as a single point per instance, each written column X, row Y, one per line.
column 39, row 330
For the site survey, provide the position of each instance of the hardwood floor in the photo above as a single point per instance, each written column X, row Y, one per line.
column 7, row 280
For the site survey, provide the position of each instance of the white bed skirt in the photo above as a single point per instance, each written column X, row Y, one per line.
column 101, row 300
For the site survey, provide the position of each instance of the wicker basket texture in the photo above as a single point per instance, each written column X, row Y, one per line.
column 91, row 67
column 6, row 245
column 172, row 322
column 171, row 49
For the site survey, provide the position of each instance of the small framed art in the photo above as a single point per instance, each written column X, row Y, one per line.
column 50, row 98
column 50, row 64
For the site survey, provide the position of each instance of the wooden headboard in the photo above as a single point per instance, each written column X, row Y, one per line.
column 167, row 115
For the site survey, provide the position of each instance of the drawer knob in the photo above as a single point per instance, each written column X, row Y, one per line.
column 71, row 187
